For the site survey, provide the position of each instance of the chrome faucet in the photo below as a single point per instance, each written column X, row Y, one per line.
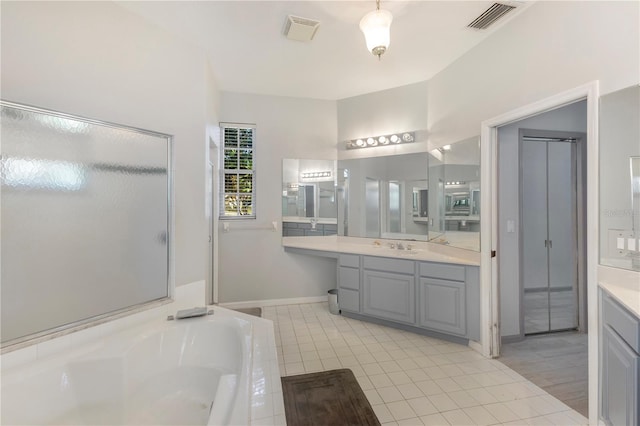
column 400, row 246
column 314, row 222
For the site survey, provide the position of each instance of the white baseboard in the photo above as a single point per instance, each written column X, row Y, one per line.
column 274, row 302
column 475, row 346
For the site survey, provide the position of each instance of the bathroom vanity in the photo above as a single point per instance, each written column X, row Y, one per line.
column 422, row 287
column 620, row 362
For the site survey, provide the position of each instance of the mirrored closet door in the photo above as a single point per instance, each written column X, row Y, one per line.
column 548, row 234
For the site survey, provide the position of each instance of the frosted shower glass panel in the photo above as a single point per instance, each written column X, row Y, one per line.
column 85, row 219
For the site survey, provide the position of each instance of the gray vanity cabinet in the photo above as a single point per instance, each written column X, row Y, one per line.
column 442, row 297
column 388, row 287
column 620, row 364
column 389, row 295
column 349, row 282
column 443, row 305
column 438, row 299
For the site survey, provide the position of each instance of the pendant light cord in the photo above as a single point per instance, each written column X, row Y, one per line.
column 377, row 4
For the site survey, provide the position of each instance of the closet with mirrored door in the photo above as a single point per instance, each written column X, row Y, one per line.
column 548, row 232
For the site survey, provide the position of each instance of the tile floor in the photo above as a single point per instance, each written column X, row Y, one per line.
column 558, row 363
column 411, row 379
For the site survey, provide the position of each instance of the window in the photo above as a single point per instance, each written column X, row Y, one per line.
column 238, row 189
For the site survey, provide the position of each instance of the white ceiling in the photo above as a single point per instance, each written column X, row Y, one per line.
column 250, row 54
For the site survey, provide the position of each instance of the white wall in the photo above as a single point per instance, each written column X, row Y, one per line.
column 96, row 59
column 552, row 47
column 252, row 263
column 569, row 118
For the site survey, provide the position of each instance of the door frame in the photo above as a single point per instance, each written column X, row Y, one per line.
column 489, row 293
column 579, row 215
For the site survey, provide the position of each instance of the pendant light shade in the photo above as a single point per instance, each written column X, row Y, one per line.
column 376, row 27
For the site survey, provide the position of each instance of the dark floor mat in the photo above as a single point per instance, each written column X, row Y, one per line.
column 326, row 398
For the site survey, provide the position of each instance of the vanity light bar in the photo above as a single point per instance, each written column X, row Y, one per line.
column 311, row 175
column 392, row 139
column 456, row 183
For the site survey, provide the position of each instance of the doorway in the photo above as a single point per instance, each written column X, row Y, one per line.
column 541, row 212
column 549, row 256
column 491, row 249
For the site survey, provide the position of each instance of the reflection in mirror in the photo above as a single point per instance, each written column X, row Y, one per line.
column 635, row 194
column 462, row 193
column 384, row 197
column 619, row 126
column 308, row 197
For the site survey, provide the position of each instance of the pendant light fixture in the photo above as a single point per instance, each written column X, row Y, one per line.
column 375, row 26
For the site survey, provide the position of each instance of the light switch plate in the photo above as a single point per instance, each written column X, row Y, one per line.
column 620, row 243
column 511, row 226
column 631, row 244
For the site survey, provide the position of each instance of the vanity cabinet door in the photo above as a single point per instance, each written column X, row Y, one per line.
column 389, row 295
column 620, row 369
column 443, row 305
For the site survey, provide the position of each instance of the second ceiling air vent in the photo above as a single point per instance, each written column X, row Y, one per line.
column 300, row 29
column 491, row 15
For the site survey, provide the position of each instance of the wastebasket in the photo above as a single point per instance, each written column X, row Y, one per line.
column 333, row 301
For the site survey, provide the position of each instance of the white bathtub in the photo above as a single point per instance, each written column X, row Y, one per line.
column 193, row 371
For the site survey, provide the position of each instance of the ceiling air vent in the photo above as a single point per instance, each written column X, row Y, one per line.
column 491, row 15
column 300, row 29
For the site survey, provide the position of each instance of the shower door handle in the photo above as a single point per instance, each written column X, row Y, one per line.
column 548, row 243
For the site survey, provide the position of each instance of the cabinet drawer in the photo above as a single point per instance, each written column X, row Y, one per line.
column 348, row 278
column 349, row 300
column 439, row 270
column 623, row 322
column 351, row 260
column 389, row 265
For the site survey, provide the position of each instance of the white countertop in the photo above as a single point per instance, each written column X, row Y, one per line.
column 320, row 220
column 420, row 250
column 623, row 285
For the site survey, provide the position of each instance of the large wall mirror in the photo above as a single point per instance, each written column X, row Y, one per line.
column 462, row 193
column 385, row 197
column 431, row 196
column 620, row 179
column 309, row 206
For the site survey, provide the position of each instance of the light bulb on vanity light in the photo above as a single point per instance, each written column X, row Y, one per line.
column 371, row 141
column 383, row 140
column 394, row 139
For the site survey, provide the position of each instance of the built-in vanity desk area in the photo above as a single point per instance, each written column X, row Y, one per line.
column 388, row 221
column 416, row 286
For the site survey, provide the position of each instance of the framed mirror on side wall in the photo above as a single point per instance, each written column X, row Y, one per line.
column 309, row 205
